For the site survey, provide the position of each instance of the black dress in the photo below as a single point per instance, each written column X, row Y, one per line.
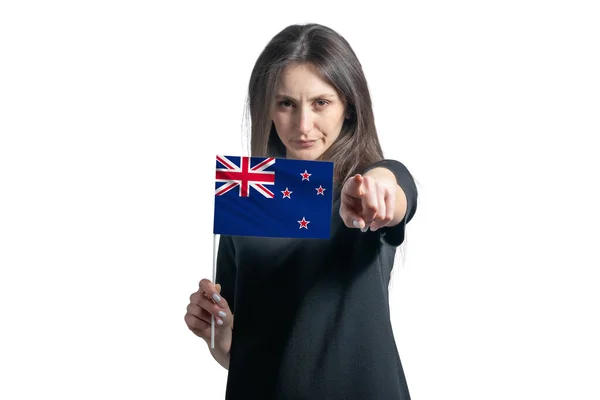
column 312, row 316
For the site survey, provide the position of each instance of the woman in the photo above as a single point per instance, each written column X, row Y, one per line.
column 312, row 316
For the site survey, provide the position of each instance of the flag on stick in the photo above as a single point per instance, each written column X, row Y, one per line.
column 273, row 197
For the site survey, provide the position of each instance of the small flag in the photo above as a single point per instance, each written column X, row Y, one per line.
column 273, row 197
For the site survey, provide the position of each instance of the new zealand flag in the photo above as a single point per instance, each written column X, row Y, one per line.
column 273, row 197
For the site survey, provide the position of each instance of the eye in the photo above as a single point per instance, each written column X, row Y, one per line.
column 285, row 103
column 321, row 103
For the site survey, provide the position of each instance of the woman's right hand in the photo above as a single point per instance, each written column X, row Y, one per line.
column 207, row 302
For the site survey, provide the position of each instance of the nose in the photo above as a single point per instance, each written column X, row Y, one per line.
column 305, row 121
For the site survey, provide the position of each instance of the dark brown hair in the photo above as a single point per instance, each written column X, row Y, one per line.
column 357, row 146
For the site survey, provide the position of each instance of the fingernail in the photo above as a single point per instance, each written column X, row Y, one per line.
column 216, row 297
column 356, row 224
column 222, row 314
column 219, row 322
column 366, row 228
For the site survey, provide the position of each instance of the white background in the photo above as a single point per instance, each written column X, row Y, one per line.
column 110, row 116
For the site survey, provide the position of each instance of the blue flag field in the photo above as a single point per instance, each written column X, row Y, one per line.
column 273, row 197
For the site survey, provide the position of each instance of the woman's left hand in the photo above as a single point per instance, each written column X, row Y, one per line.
column 367, row 202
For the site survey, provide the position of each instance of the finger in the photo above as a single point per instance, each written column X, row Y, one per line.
column 370, row 203
column 199, row 312
column 390, row 207
column 194, row 323
column 211, row 306
column 353, row 187
column 379, row 219
column 350, row 218
column 385, row 212
column 205, row 308
column 222, row 317
column 205, row 300
column 209, row 290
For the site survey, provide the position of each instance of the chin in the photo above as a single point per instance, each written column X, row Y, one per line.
column 309, row 154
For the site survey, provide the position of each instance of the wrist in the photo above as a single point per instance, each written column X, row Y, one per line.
column 220, row 353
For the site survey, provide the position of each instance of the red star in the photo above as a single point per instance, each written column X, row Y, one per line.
column 305, row 176
column 303, row 224
column 286, row 193
column 320, row 190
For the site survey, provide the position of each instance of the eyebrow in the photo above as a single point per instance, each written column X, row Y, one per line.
column 321, row 96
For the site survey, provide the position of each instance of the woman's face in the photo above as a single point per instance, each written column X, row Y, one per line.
column 307, row 112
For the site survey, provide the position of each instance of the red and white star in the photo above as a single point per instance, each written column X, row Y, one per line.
column 320, row 190
column 305, row 176
column 304, row 223
column 286, row 193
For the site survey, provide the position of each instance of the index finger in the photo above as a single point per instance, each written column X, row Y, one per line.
column 353, row 187
column 209, row 290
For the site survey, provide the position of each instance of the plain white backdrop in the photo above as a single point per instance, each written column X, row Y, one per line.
column 111, row 114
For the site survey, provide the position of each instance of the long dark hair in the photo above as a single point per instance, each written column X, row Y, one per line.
column 357, row 146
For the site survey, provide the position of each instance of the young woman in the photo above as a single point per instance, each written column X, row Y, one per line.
column 312, row 316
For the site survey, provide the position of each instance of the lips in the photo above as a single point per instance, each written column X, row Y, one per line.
column 305, row 143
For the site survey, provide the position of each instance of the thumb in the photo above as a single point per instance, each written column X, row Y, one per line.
column 218, row 287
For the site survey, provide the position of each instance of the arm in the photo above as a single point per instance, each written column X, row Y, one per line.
column 385, row 194
column 225, row 282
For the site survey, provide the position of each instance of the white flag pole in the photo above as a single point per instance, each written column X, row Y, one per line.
column 214, row 278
